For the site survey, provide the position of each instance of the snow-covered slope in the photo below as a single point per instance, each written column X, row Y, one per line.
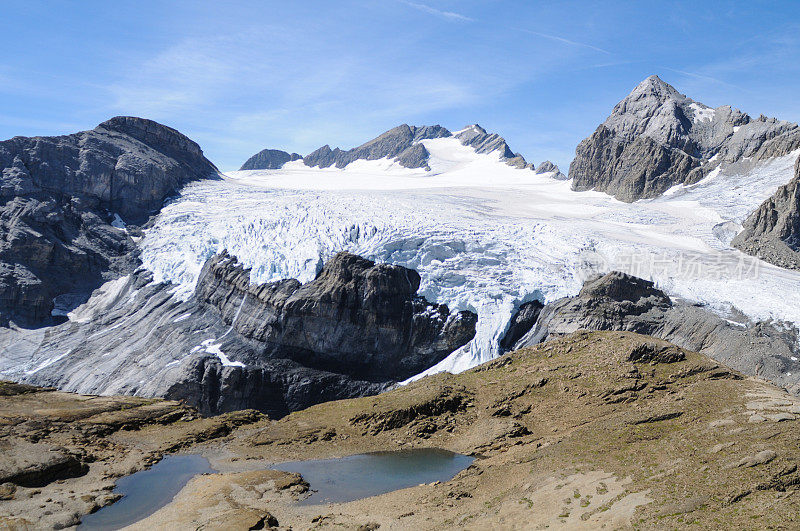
column 483, row 235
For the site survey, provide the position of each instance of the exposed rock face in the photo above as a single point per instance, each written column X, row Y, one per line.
column 656, row 138
column 57, row 196
column 617, row 301
column 549, row 167
column 476, row 136
column 772, row 232
column 399, row 144
column 521, row 323
column 277, row 347
column 355, row 314
column 269, row 159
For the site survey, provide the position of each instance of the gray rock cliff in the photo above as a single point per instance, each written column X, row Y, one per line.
column 58, row 196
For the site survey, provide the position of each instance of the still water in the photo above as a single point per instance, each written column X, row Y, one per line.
column 363, row 475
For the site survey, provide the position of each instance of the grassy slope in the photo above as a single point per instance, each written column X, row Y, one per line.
column 570, row 432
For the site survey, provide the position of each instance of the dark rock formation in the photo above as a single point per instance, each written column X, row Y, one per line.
column 772, row 232
column 656, row 138
column 57, row 197
column 399, row 144
column 521, row 323
column 617, row 301
column 269, row 159
column 549, row 167
column 476, row 137
column 276, row 347
column 357, row 315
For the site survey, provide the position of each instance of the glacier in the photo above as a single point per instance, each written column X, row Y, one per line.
column 484, row 236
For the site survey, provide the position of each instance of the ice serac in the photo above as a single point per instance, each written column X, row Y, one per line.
column 478, row 138
column 772, row 232
column 357, row 316
column 269, row 159
column 277, row 347
column 59, row 195
column 618, row 301
column 400, row 144
column 656, row 138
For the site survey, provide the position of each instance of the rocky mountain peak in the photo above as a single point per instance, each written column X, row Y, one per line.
column 151, row 133
column 656, row 137
column 654, row 87
column 400, row 143
column 479, row 139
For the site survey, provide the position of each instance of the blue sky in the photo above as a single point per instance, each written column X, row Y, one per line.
column 240, row 76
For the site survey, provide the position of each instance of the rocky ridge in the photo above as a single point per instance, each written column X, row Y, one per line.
column 64, row 202
column 656, row 138
column 401, row 144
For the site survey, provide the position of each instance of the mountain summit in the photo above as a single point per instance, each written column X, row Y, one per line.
column 657, row 137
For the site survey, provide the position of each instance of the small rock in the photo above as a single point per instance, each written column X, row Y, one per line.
column 7, row 491
column 761, row 458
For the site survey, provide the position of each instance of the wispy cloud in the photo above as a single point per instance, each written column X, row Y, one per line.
column 565, row 40
column 702, row 77
column 450, row 15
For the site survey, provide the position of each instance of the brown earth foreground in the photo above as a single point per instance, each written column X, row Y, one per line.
column 594, row 430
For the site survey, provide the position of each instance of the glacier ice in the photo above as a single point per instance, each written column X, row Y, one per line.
column 484, row 236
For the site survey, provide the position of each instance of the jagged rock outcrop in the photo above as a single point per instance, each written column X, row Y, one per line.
column 656, row 138
column 400, row 144
column 618, row 301
column 355, row 314
column 549, row 167
column 269, row 159
column 772, row 232
column 476, row 137
column 276, row 347
column 521, row 323
column 58, row 197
